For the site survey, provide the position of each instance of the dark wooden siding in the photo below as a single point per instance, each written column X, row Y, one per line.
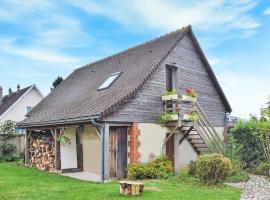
column 146, row 106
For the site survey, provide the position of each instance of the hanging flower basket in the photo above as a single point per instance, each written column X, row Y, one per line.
column 191, row 116
column 64, row 140
column 190, row 96
column 167, row 117
column 169, row 95
column 187, row 98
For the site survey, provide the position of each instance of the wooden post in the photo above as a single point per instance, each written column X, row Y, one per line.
column 57, row 149
column 79, row 148
column 26, row 149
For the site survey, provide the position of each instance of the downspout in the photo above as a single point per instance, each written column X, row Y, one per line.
column 102, row 127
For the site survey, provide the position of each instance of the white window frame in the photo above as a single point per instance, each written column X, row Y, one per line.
column 109, row 81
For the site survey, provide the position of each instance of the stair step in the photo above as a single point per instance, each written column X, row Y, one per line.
column 200, row 149
column 197, row 141
column 186, row 123
column 198, row 145
column 186, row 128
column 194, row 136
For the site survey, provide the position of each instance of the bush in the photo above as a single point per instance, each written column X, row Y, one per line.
column 7, row 149
column 7, row 158
column 213, row 168
column 250, row 153
column 192, row 168
column 262, row 169
column 238, row 174
column 159, row 168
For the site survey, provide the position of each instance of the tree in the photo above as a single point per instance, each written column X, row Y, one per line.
column 8, row 127
column 57, row 81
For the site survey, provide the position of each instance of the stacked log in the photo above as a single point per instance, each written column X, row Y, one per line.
column 42, row 152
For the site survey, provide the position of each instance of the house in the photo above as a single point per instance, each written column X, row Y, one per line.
column 15, row 105
column 104, row 115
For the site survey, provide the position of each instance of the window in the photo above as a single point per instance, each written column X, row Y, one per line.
column 107, row 83
column 171, row 77
column 29, row 108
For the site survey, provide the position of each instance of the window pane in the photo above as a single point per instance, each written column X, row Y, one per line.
column 109, row 81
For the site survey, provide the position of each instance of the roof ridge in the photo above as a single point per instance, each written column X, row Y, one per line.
column 127, row 96
column 133, row 47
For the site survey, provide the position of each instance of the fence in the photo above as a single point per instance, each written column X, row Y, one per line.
column 18, row 141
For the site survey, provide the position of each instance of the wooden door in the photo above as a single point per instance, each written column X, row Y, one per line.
column 118, row 152
column 170, row 148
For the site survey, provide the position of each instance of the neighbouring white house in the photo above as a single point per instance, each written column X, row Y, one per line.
column 15, row 105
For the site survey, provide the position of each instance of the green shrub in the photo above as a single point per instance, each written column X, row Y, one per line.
column 192, row 168
column 7, row 158
column 159, row 168
column 7, row 149
column 213, row 168
column 262, row 169
column 238, row 174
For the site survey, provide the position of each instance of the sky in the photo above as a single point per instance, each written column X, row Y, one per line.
column 40, row 39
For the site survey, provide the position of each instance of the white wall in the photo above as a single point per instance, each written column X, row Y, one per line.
column 18, row 112
column 91, row 150
column 220, row 131
column 68, row 152
column 151, row 137
column 183, row 153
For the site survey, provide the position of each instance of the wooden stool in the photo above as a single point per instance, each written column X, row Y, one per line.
column 131, row 188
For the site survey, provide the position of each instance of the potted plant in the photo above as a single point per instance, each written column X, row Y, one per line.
column 191, row 116
column 64, row 140
column 170, row 95
column 190, row 96
column 168, row 117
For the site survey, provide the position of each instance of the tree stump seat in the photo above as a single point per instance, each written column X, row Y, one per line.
column 131, row 188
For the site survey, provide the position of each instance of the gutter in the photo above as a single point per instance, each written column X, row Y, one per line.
column 102, row 127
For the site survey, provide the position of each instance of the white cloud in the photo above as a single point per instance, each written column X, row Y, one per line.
column 267, row 11
column 168, row 15
column 246, row 92
column 35, row 53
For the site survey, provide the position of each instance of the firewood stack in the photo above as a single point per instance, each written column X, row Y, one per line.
column 41, row 152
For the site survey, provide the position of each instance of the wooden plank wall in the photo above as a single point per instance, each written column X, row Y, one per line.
column 146, row 107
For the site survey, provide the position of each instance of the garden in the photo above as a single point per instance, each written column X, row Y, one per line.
column 247, row 152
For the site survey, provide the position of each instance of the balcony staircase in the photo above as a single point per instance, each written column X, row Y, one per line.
column 200, row 133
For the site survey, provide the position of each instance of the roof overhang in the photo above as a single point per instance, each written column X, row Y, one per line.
column 60, row 122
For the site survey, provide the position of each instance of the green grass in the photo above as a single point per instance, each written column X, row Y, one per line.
column 18, row 182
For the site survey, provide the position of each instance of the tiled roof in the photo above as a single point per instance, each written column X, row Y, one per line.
column 77, row 96
column 9, row 100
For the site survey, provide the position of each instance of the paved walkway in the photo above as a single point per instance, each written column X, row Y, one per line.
column 86, row 176
column 257, row 188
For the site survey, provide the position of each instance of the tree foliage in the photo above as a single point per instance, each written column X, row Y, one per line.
column 254, row 137
column 8, row 127
column 57, row 81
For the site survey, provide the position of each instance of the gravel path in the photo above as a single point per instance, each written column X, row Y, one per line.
column 257, row 188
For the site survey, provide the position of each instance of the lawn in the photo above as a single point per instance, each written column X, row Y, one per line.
column 18, row 182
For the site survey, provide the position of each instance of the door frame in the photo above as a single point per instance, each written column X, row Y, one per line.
column 116, row 145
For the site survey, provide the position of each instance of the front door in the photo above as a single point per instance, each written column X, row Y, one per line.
column 118, row 152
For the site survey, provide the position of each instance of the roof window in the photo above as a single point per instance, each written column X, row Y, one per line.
column 109, row 81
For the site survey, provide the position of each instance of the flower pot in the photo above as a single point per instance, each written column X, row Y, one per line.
column 188, row 99
column 186, row 117
column 174, row 117
column 169, row 97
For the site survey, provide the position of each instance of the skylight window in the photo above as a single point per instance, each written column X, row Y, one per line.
column 107, row 83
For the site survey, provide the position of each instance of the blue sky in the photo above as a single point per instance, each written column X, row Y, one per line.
column 41, row 39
